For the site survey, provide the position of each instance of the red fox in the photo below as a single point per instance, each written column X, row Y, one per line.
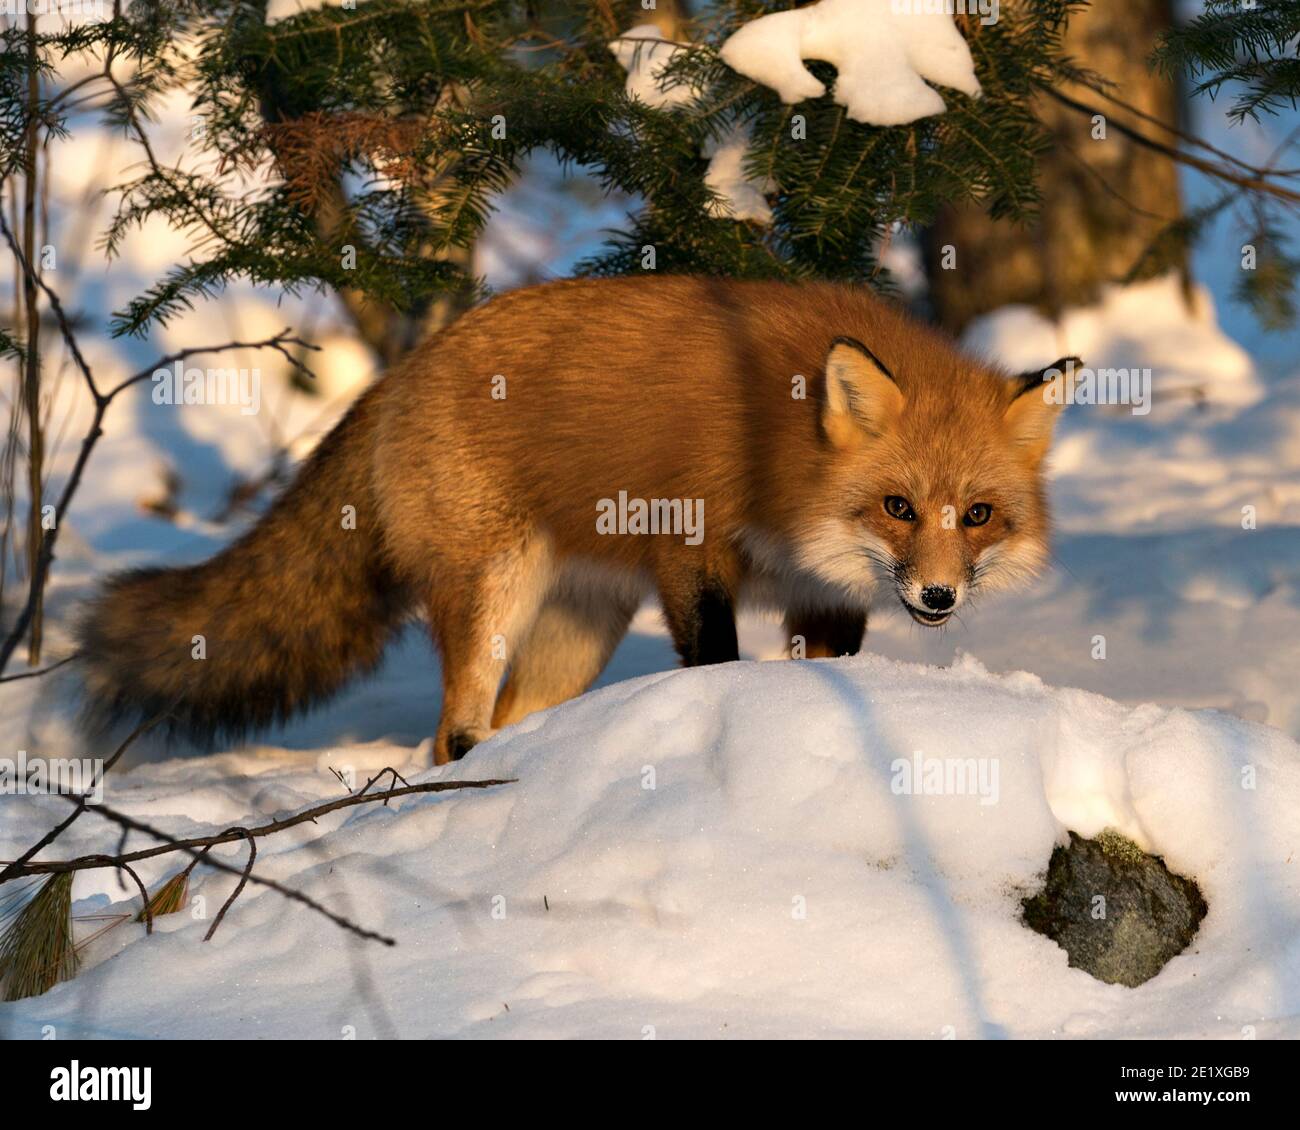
column 529, row 475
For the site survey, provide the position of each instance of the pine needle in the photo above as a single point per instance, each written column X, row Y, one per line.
column 170, row 897
column 111, row 922
column 36, row 948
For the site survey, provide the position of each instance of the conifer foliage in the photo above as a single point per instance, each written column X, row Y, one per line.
column 1247, row 52
column 360, row 147
column 357, row 146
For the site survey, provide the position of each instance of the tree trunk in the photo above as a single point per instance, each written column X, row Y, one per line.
column 1104, row 198
column 669, row 16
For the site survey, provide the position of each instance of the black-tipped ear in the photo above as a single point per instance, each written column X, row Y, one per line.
column 1036, row 378
column 861, row 394
column 1038, row 402
column 854, row 343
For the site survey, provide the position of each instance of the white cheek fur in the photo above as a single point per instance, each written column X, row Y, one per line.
column 1011, row 562
column 847, row 557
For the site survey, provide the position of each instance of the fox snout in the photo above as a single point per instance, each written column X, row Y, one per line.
column 934, row 573
column 930, row 604
column 939, row 598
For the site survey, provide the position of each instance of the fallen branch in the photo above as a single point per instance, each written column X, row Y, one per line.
column 229, row 835
column 198, row 846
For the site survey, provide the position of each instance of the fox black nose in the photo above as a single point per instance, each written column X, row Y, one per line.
column 938, row 598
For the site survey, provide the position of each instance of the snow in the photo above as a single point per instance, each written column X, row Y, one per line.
column 771, row 882
column 884, row 50
column 739, row 197
column 277, row 10
column 720, row 851
column 1150, row 324
column 644, row 53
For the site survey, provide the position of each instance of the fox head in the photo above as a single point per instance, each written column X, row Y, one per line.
column 935, row 484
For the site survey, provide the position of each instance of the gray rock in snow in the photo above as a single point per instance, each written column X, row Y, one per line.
column 1149, row 914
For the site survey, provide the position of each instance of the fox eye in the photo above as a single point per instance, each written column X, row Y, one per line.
column 898, row 507
column 978, row 514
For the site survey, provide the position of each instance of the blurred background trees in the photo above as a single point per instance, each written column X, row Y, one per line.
column 1105, row 201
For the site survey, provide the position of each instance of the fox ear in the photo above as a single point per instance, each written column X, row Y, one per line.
column 1038, row 399
column 861, row 395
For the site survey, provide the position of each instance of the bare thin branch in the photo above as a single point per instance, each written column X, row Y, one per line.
column 1251, row 181
column 229, row 835
column 42, row 671
column 199, row 845
column 239, row 887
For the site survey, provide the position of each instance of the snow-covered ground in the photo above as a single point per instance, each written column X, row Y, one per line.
column 726, row 851
column 720, row 852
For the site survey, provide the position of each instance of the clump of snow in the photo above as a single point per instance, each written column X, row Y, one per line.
column 277, row 10
column 884, row 50
column 644, row 53
column 732, row 850
column 899, row 253
column 740, row 197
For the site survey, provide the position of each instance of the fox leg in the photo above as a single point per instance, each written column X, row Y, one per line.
column 478, row 620
column 567, row 647
column 827, row 634
column 698, row 600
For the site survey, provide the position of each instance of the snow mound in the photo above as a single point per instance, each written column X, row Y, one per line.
column 721, row 851
column 884, row 50
column 1149, row 324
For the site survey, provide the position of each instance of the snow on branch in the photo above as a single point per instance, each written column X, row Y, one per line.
column 739, row 197
column 885, row 52
column 644, row 53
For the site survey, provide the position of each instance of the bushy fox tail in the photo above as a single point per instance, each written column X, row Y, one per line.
column 277, row 621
